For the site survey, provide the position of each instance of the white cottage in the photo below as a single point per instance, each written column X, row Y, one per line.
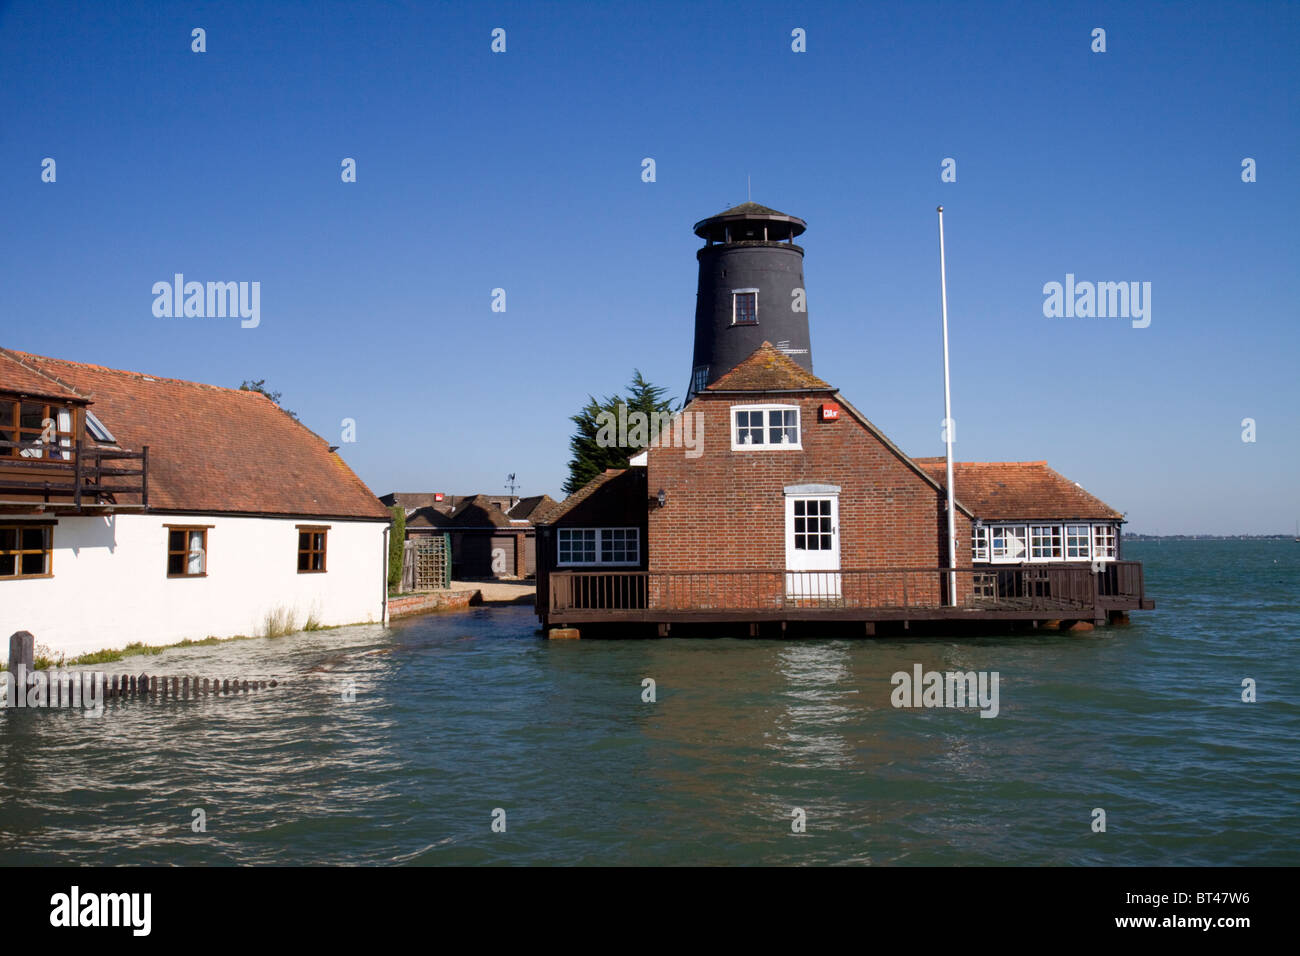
column 139, row 508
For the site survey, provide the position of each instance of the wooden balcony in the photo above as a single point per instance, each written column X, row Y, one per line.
column 1025, row 593
column 76, row 479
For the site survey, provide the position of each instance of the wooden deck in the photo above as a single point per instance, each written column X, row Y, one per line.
column 87, row 480
column 984, row 593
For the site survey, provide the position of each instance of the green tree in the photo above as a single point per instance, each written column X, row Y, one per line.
column 396, row 541
column 260, row 386
column 595, row 444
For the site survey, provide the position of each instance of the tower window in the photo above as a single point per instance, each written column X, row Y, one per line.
column 699, row 378
column 744, row 307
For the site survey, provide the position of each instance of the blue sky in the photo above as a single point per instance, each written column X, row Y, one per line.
column 522, row 170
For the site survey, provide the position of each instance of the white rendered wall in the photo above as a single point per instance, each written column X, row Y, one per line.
column 110, row 584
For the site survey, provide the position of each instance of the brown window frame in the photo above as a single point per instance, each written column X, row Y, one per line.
column 313, row 529
column 20, row 551
column 11, row 430
column 187, row 551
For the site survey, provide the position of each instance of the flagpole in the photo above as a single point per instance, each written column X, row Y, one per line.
column 948, row 424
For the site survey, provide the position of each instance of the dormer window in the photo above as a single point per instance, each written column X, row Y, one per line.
column 744, row 307
column 765, row 427
column 35, row 429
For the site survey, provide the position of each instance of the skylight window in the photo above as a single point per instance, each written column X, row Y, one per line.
column 98, row 431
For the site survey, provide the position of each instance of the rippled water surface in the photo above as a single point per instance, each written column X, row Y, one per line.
column 458, row 714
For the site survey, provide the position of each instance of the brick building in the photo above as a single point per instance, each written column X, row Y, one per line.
column 791, row 506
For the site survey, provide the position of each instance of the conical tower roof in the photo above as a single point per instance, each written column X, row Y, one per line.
column 779, row 225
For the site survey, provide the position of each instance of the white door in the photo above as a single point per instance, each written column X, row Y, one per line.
column 812, row 547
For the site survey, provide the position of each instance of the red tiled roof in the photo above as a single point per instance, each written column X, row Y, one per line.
column 527, row 508
column 215, row 449
column 18, row 375
column 1018, row 490
column 549, row 514
column 768, row 369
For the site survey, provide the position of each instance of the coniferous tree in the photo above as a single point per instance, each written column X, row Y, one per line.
column 592, row 449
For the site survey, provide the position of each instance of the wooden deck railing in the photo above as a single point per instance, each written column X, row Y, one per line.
column 1058, row 590
column 74, row 473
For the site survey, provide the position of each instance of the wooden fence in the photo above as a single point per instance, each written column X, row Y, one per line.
column 426, row 562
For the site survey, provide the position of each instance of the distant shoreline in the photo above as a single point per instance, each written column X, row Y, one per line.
column 1209, row 537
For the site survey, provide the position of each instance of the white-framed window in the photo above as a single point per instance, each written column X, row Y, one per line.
column 814, row 525
column 744, row 307
column 1045, row 542
column 1007, row 543
column 1078, row 542
column 1011, row 543
column 1103, row 542
column 608, row 546
column 765, row 427
column 619, row 545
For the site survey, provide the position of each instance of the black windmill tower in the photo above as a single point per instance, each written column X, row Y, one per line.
column 751, row 290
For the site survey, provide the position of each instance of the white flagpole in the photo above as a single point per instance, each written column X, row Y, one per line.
column 947, row 424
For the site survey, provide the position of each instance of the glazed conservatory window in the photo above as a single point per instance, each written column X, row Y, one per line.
column 979, row 544
column 1078, row 542
column 765, row 426
column 1103, row 542
column 1007, row 543
column 1045, row 542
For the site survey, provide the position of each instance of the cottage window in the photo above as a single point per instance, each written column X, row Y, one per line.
column 1103, row 542
column 38, row 429
column 744, row 307
column 979, row 544
column 26, row 551
column 187, row 551
column 765, row 426
column 311, row 548
column 1045, row 542
column 1078, row 542
column 612, row 546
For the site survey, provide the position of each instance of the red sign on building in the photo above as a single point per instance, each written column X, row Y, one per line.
column 830, row 412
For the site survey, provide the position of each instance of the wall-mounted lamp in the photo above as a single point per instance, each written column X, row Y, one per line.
column 663, row 498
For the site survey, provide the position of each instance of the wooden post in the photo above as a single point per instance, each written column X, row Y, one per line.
column 76, row 474
column 22, row 650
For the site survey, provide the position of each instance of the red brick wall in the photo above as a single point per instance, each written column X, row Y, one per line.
column 726, row 509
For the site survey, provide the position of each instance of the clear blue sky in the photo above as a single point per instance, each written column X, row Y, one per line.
column 522, row 170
